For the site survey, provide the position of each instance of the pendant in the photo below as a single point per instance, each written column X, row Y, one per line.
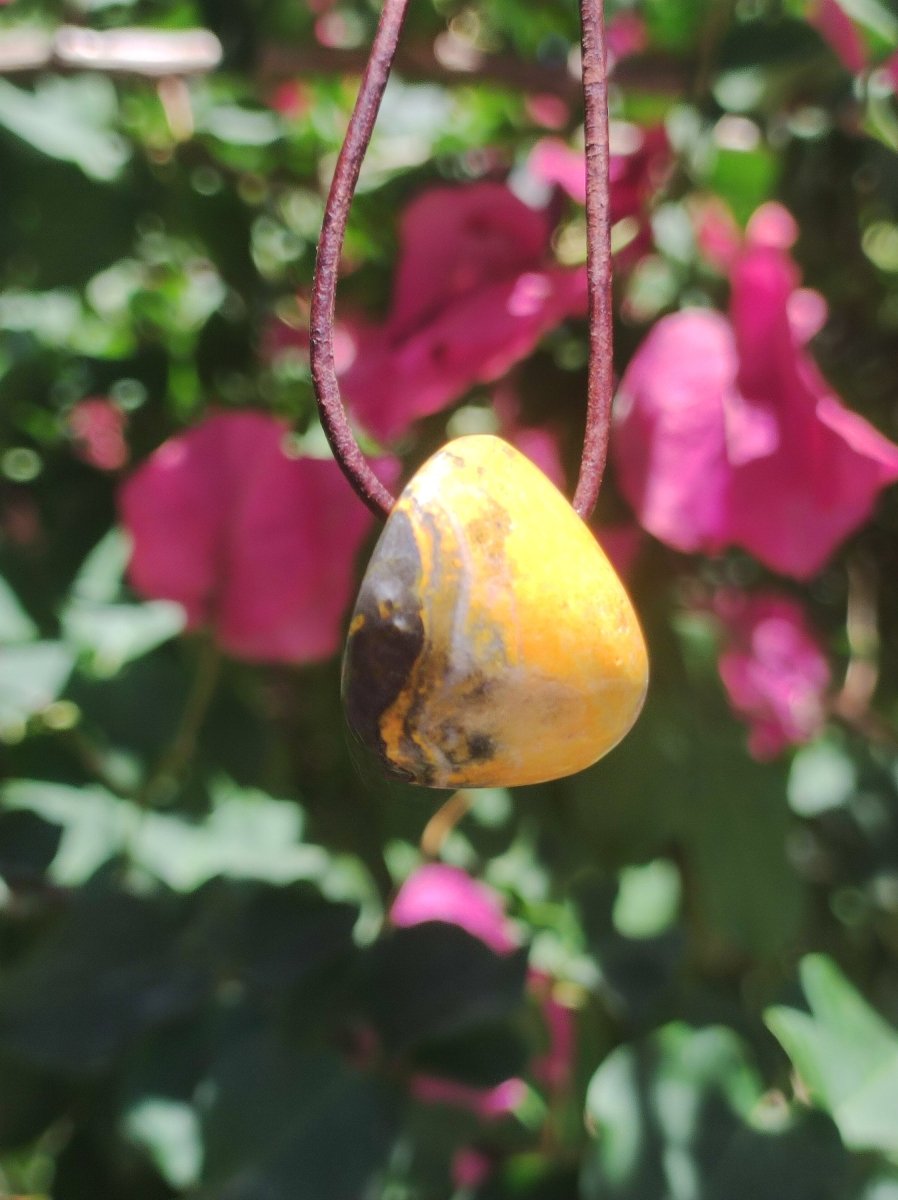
column 492, row 643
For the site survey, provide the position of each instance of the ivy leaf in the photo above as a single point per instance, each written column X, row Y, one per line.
column 114, row 634
column 682, row 1113
column 15, row 624
column 246, row 835
column 107, row 969
column 284, row 1121
column 70, row 120
column 31, row 677
column 434, row 981
column 168, row 1130
column 846, row 1054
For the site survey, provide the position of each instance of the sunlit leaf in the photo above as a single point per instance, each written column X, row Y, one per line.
column 246, row 835
column 31, row 678
column 846, row 1054
column 68, row 119
column 682, row 1114
column 114, row 634
column 15, row 624
column 169, row 1131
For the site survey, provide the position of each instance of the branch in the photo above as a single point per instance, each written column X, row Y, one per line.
column 152, row 53
column 155, row 53
column 437, row 63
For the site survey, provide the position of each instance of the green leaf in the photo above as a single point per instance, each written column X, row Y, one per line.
column 246, row 835
column 647, row 900
column 15, row 624
column 676, row 24
column 115, row 634
column 874, row 15
column 29, row 1102
column 738, row 822
column 70, row 120
column 784, row 41
column 169, row 1131
column 482, row 1058
column 283, row 1121
column 270, row 937
column 99, row 577
column 822, row 777
column 846, row 1054
column 743, row 178
column 434, row 980
column 681, row 1115
column 96, row 826
column 28, row 844
column 107, row 969
column 243, row 126
column 31, row 678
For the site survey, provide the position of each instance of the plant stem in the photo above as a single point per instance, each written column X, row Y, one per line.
column 170, row 768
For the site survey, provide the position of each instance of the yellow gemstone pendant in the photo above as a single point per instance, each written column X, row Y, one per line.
column 492, row 643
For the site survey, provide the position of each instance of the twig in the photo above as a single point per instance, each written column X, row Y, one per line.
column 154, row 53
column 598, row 259
column 422, row 62
column 853, row 704
column 862, row 633
column 443, row 821
column 174, row 762
column 91, row 759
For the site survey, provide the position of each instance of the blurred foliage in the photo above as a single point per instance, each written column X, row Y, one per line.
column 197, row 993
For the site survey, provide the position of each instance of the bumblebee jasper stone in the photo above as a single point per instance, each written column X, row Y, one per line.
column 492, row 643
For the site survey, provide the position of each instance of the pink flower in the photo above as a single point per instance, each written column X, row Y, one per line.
column 20, row 519
column 890, row 68
column 626, row 34
column 97, row 428
column 639, row 160
column 727, row 434
column 622, row 544
column 833, row 24
column 255, row 544
column 436, row 892
column 541, row 447
column 475, row 290
column 717, row 235
column 774, row 670
column 471, row 1168
column 555, row 1067
column 291, row 99
column 487, row 1103
column 282, row 337
column 547, row 110
column 539, row 443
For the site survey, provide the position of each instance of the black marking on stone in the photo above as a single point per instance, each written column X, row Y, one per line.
column 478, row 687
column 460, row 747
column 381, row 653
column 481, row 747
column 432, row 670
